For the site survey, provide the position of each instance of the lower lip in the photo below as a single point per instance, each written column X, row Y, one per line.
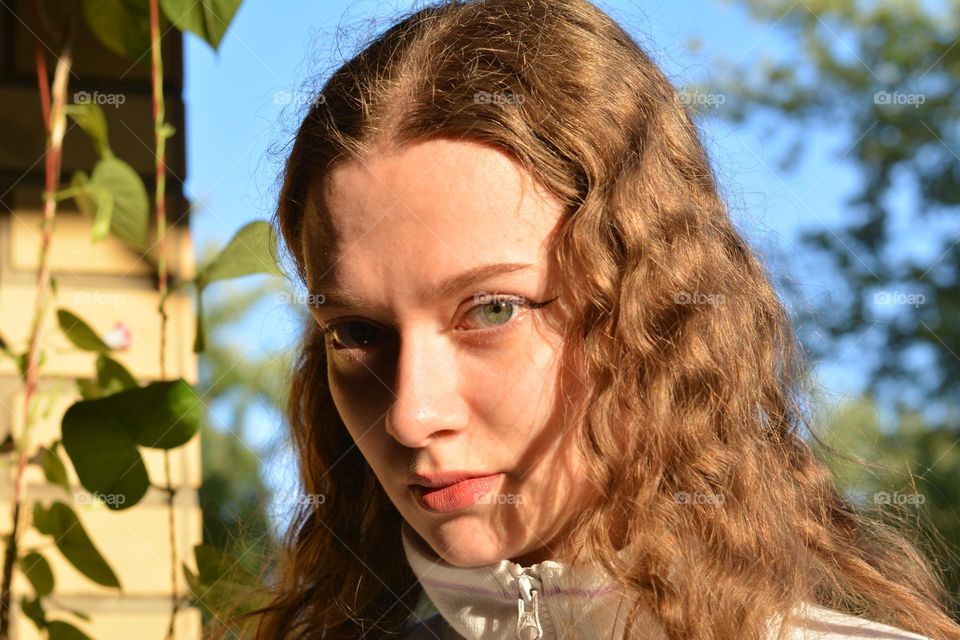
column 454, row 497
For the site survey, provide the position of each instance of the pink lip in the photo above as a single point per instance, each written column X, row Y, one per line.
column 444, row 478
column 453, row 496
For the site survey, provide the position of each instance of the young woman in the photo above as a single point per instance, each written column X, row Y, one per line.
column 546, row 385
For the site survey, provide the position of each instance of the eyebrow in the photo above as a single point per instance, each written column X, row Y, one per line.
column 343, row 299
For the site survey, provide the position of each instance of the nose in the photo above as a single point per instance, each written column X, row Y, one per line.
column 427, row 403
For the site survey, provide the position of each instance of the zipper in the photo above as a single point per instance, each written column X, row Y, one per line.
column 528, row 602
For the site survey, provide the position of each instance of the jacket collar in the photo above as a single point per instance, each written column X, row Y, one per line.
column 496, row 602
column 505, row 600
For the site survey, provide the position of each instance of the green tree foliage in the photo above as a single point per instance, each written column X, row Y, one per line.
column 233, row 381
column 908, row 473
column 886, row 75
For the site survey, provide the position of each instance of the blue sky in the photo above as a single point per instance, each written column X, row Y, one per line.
column 237, row 128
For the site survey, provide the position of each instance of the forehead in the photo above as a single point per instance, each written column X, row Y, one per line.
column 431, row 209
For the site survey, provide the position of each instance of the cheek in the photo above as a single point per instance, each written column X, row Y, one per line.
column 361, row 408
column 517, row 397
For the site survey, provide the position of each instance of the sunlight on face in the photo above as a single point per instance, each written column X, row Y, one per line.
column 433, row 371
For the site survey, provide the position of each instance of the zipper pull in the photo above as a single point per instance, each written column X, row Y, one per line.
column 528, row 612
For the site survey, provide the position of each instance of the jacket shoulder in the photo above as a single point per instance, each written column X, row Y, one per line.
column 820, row 623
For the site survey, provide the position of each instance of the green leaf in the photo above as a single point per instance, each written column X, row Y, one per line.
column 113, row 376
column 123, row 26
column 60, row 630
column 88, row 388
column 251, row 250
column 80, row 333
column 93, row 201
column 104, row 454
column 173, row 418
column 62, row 524
column 130, row 211
column 53, row 469
column 208, row 19
column 101, row 436
column 37, row 570
column 33, row 609
column 91, row 119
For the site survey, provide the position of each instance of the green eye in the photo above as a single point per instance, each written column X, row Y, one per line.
column 497, row 313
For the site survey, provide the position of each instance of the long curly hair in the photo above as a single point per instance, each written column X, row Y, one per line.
column 696, row 381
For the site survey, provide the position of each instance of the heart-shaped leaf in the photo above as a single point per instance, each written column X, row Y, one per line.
column 208, row 19
column 93, row 201
column 161, row 415
column 130, row 212
column 104, row 454
column 123, row 26
column 251, row 250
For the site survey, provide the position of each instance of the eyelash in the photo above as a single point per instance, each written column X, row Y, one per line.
column 329, row 330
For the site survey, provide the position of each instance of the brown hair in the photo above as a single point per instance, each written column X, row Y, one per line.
column 696, row 378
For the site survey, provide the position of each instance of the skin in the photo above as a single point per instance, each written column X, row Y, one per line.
column 449, row 384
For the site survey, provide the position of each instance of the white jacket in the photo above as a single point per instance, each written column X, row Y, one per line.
column 505, row 601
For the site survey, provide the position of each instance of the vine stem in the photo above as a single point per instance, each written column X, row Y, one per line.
column 52, row 102
column 160, row 136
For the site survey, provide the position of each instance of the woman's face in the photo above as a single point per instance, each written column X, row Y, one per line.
column 430, row 376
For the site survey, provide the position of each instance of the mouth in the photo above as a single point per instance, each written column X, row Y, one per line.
column 445, row 495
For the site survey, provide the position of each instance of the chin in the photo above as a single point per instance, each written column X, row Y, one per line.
column 464, row 542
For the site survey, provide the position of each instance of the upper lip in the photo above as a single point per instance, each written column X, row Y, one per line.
column 444, row 478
